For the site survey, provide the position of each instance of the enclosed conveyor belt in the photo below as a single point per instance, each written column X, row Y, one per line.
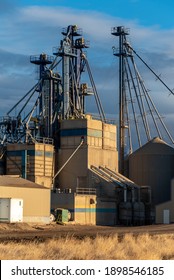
column 124, row 180
column 106, row 176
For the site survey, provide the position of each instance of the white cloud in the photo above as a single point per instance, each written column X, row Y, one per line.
column 34, row 29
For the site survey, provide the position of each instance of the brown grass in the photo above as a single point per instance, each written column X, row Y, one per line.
column 142, row 247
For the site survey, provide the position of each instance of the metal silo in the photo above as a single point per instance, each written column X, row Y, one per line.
column 153, row 165
column 138, row 210
column 125, row 213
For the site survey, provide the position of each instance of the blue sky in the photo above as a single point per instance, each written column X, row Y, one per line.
column 145, row 12
column 32, row 27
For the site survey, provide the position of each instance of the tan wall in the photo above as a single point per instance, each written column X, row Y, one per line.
column 45, row 181
column 167, row 205
column 36, row 201
column 85, row 209
column 77, row 167
column 39, row 167
column 99, row 149
column 108, row 158
column 109, row 136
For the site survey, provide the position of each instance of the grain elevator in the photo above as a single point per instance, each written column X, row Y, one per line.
column 53, row 141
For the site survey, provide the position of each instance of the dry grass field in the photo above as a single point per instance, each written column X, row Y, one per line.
column 129, row 247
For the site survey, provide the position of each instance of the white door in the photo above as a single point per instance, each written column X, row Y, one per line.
column 16, row 210
column 4, row 210
column 166, row 216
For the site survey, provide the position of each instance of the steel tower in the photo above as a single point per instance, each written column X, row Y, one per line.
column 121, row 32
column 58, row 94
column 139, row 119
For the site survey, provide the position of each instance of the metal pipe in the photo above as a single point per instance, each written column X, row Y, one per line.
column 157, row 76
column 125, row 195
column 66, row 86
column 81, row 143
column 33, row 88
column 149, row 192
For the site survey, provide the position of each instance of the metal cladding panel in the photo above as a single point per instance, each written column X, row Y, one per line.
column 45, row 181
column 153, row 165
column 99, row 148
column 63, row 200
column 2, row 166
column 110, row 128
column 95, row 124
column 106, row 212
column 85, row 209
column 73, row 123
column 81, row 132
column 76, row 167
column 108, row 158
column 30, row 160
column 73, row 132
column 30, row 148
column 169, row 205
column 153, row 147
column 81, row 123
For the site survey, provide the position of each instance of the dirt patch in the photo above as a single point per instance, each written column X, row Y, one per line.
column 21, row 231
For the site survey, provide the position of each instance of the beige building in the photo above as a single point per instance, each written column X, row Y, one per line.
column 81, row 206
column 99, row 148
column 36, row 198
column 86, row 207
column 165, row 211
column 34, row 162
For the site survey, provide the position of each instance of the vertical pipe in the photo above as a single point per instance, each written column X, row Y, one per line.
column 65, row 86
column 125, row 195
column 121, row 105
column 24, row 164
column 50, row 122
column 133, row 194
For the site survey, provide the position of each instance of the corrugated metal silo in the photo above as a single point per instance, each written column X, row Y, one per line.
column 153, row 165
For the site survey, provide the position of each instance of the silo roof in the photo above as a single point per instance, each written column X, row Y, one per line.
column 155, row 146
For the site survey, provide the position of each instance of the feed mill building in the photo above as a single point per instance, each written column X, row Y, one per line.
column 82, row 175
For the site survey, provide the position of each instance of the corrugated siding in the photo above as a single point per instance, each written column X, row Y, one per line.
column 30, row 161
column 106, row 212
column 167, row 205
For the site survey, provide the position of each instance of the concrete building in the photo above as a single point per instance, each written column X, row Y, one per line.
column 165, row 211
column 36, row 198
column 95, row 166
column 99, row 148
